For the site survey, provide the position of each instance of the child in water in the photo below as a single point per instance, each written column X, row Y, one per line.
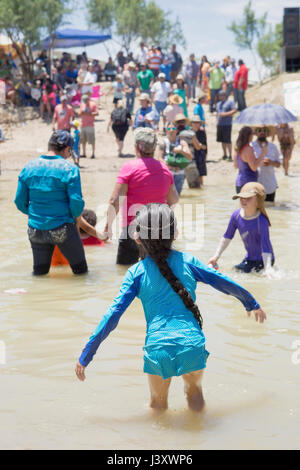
column 165, row 281
column 86, row 224
column 253, row 223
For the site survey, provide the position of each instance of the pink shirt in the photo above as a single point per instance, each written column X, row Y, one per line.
column 63, row 115
column 148, row 180
column 87, row 120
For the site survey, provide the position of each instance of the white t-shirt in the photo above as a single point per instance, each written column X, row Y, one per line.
column 90, row 77
column 266, row 174
column 161, row 91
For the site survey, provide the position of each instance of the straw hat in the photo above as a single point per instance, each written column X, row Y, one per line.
column 176, row 99
column 144, row 96
column 196, row 118
column 201, row 95
column 180, row 117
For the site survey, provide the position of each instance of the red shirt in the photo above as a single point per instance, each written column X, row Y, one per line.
column 241, row 73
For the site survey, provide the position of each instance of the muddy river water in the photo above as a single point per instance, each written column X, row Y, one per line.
column 252, row 380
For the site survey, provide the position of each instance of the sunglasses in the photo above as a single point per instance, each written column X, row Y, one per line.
column 262, row 129
column 172, row 129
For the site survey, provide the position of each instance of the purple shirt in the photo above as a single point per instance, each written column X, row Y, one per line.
column 245, row 174
column 254, row 233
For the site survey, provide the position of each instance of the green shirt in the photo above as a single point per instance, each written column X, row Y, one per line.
column 145, row 79
column 215, row 78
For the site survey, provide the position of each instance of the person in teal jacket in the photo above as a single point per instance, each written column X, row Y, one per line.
column 165, row 281
column 49, row 192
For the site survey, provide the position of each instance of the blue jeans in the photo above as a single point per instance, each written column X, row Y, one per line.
column 130, row 97
column 160, row 106
column 241, row 100
column 178, row 181
column 191, row 83
column 213, row 94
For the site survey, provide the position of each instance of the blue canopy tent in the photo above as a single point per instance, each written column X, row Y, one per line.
column 67, row 38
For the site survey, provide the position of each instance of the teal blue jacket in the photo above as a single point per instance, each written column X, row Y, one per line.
column 49, row 192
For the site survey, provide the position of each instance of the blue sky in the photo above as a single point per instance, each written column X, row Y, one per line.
column 204, row 24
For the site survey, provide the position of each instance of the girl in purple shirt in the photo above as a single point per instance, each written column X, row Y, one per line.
column 253, row 223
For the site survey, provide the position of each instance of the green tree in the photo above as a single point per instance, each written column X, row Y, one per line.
column 268, row 48
column 130, row 20
column 24, row 21
column 248, row 31
column 160, row 29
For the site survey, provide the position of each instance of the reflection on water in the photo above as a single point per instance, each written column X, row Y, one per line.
column 251, row 385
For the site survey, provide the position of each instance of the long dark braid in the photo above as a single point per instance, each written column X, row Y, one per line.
column 156, row 239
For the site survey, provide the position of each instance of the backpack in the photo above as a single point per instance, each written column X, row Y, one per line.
column 119, row 116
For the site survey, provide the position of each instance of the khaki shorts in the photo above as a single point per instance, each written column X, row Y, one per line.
column 87, row 135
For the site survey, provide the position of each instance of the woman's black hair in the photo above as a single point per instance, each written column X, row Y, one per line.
column 156, row 228
column 60, row 140
column 243, row 137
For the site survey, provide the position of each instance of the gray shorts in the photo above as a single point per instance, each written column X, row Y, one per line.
column 87, row 135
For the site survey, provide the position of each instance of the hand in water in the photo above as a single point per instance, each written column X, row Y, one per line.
column 80, row 371
column 259, row 315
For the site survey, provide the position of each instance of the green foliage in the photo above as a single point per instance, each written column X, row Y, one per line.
column 268, row 48
column 130, row 20
column 24, row 21
column 54, row 12
column 101, row 13
column 257, row 36
column 249, row 28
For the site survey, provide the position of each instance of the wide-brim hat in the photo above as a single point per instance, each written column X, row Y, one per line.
column 201, row 95
column 176, row 99
column 180, row 117
column 268, row 127
column 196, row 118
column 144, row 96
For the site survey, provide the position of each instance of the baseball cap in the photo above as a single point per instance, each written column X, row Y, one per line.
column 63, row 98
column 146, row 139
column 61, row 139
column 251, row 189
column 161, row 75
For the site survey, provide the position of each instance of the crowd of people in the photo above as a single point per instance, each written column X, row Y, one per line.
column 49, row 192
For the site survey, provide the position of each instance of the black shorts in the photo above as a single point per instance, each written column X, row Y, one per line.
column 224, row 134
column 120, row 131
column 246, row 266
column 200, row 159
column 67, row 238
column 270, row 197
column 128, row 251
